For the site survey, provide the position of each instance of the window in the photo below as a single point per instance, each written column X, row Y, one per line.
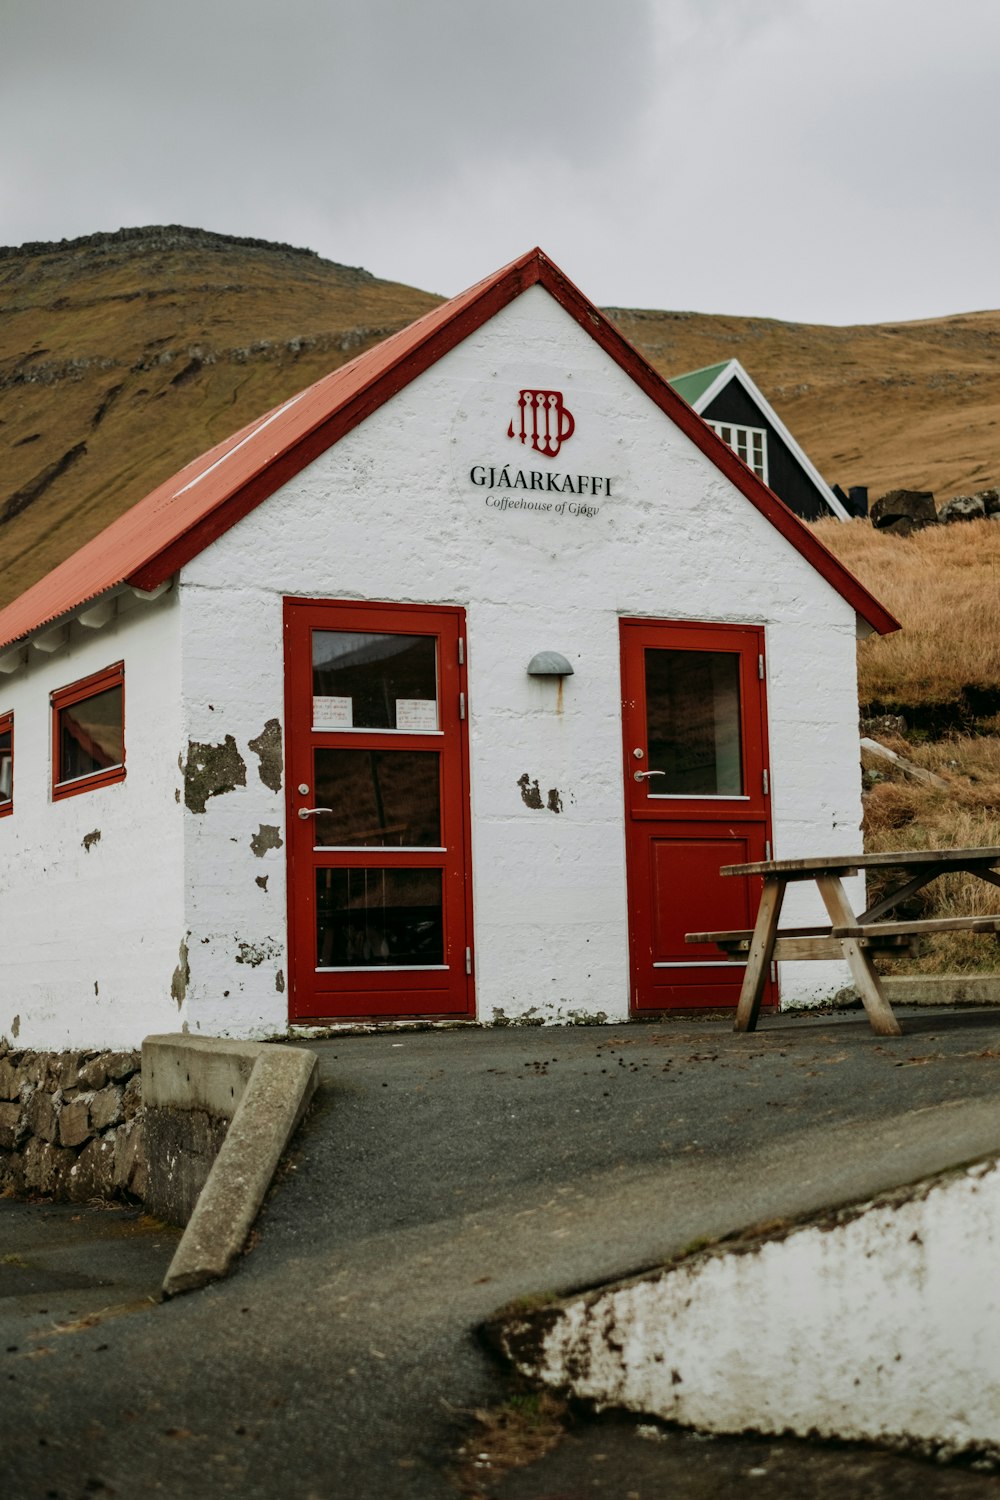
column 6, row 764
column 88, row 732
column 750, row 443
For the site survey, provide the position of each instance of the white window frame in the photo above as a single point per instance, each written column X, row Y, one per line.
column 737, row 436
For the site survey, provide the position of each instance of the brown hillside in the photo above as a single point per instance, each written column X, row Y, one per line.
column 122, row 356
column 889, row 405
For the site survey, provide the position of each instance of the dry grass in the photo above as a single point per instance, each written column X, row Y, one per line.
column 943, row 585
column 900, row 814
column 521, row 1431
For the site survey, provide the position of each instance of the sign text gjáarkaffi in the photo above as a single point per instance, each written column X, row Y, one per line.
column 536, row 485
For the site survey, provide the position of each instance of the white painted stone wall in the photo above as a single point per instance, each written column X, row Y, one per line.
column 90, row 933
column 90, row 938
column 235, row 897
column 884, row 1327
column 390, row 514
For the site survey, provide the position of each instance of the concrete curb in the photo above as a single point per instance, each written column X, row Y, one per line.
column 942, row 989
column 265, row 1089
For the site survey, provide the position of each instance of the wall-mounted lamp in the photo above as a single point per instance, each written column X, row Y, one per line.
column 549, row 664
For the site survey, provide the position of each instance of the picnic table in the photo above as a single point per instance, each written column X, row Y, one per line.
column 854, row 937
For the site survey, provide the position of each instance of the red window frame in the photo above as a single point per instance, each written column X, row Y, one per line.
column 65, row 697
column 7, row 723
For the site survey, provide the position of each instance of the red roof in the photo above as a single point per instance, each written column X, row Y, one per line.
column 181, row 517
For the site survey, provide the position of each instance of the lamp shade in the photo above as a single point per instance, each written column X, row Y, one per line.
column 549, row 664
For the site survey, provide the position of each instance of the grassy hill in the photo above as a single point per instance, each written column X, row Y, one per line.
column 939, row 676
column 122, row 356
column 889, row 405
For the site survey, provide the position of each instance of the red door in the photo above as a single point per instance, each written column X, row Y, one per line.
column 696, row 798
column 378, row 811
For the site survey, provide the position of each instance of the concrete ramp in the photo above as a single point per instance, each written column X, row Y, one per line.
column 878, row 1322
column 214, row 1179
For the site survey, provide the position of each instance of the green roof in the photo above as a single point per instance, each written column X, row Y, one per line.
column 695, row 382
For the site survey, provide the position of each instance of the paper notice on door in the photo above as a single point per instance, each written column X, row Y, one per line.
column 416, row 713
column 333, row 713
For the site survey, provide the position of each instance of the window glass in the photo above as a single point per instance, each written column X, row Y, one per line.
column 374, row 918
column 6, row 761
column 374, row 681
column 90, row 735
column 378, row 797
column 693, row 723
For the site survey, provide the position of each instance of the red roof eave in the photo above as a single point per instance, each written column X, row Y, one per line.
column 181, row 517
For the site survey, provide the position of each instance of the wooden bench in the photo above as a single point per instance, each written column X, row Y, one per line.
column 864, row 931
column 855, row 938
column 806, row 943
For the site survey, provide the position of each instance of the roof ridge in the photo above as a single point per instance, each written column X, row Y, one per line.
column 176, row 520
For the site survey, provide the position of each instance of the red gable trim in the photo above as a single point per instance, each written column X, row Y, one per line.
column 179, row 519
column 614, row 343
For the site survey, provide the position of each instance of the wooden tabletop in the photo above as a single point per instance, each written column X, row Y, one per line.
column 841, row 864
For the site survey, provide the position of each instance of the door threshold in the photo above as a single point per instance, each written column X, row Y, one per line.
column 367, row 1026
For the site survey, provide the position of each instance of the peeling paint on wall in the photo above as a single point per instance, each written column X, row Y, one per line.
column 90, row 839
column 279, row 982
column 530, row 795
column 15, row 1027
column 182, row 976
column 211, row 771
column 260, row 880
column 256, row 953
column 267, row 837
column 267, row 748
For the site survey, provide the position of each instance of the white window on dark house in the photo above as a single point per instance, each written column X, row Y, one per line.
column 749, row 443
column 88, row 732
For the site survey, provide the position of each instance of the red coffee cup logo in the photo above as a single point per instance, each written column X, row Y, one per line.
column 544, row 420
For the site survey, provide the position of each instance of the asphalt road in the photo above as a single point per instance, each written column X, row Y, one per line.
column 439, row 1175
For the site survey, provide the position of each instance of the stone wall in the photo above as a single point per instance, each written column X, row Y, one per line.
column 70, row 1124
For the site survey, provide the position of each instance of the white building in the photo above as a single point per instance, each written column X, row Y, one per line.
column 281, row 753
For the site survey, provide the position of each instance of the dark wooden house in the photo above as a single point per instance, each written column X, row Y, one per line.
column 727, row 399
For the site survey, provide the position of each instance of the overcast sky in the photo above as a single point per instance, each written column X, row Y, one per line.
column 820, row 160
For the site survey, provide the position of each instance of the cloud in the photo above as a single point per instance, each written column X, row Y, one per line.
column 793, row 158
column 350, row 98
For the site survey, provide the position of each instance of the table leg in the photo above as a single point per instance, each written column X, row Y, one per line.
column 862, row 970
column 759, row 955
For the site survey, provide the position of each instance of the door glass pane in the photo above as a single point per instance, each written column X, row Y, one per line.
column 91, row 735
column 374, row 681
column 378, row 797
column 693, row 723
column 367, row 918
